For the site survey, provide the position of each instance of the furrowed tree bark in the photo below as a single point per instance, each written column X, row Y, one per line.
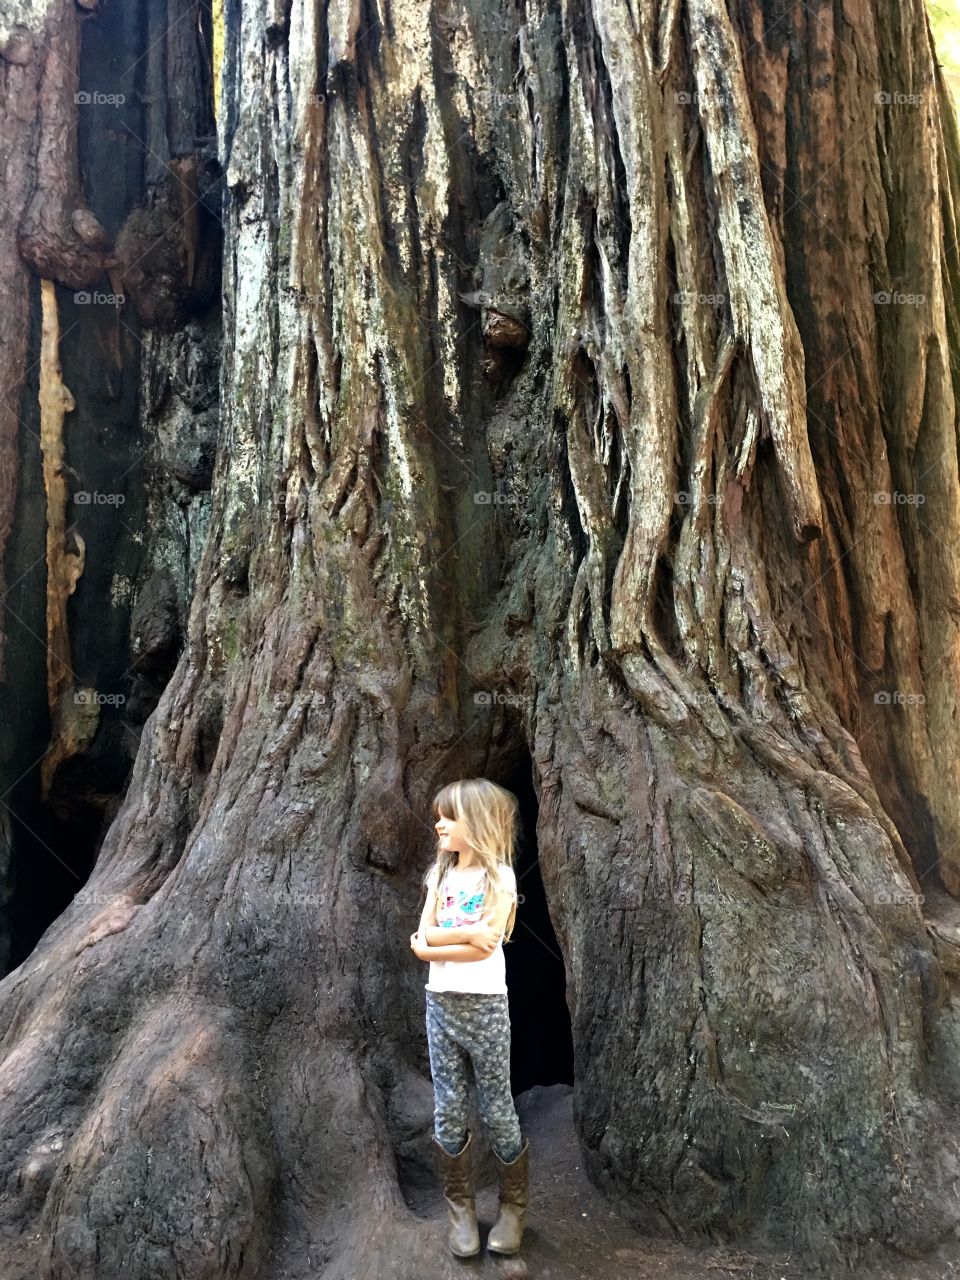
column 577, row 401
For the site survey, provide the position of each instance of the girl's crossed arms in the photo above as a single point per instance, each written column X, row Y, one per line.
column 468, row 942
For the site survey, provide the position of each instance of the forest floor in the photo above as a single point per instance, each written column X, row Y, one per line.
column 573, row 1234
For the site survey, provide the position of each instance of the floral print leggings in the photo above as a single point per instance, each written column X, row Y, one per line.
column 465, row 1027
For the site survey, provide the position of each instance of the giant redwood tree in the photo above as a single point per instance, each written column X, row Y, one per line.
column 587, row 404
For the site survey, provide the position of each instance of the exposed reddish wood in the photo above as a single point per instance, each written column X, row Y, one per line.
column 73, row 712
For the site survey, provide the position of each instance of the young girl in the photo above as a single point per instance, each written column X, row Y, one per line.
column 470, row 909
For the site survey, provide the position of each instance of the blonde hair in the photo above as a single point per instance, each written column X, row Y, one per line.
column 488, row 814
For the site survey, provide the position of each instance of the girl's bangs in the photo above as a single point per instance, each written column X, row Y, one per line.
column 443, row 804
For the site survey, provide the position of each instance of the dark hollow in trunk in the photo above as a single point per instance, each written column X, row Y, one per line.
column 541, row 1046
column 53, row 860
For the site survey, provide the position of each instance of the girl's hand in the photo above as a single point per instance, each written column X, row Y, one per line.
column 420, row 950
column 484, row 937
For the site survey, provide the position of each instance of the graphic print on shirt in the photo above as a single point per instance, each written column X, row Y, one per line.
column 459, row 909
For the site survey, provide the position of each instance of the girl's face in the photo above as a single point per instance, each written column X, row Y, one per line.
column 452, row 836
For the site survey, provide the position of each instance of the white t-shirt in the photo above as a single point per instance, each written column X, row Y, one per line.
column 464, row 902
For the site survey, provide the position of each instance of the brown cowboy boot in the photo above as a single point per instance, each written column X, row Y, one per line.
column 507, row 1232
column 457, row 1172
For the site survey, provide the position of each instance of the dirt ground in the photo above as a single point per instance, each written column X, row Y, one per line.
column 573, row 1235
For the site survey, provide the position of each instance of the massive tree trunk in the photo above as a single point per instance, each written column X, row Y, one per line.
column 579, row 406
